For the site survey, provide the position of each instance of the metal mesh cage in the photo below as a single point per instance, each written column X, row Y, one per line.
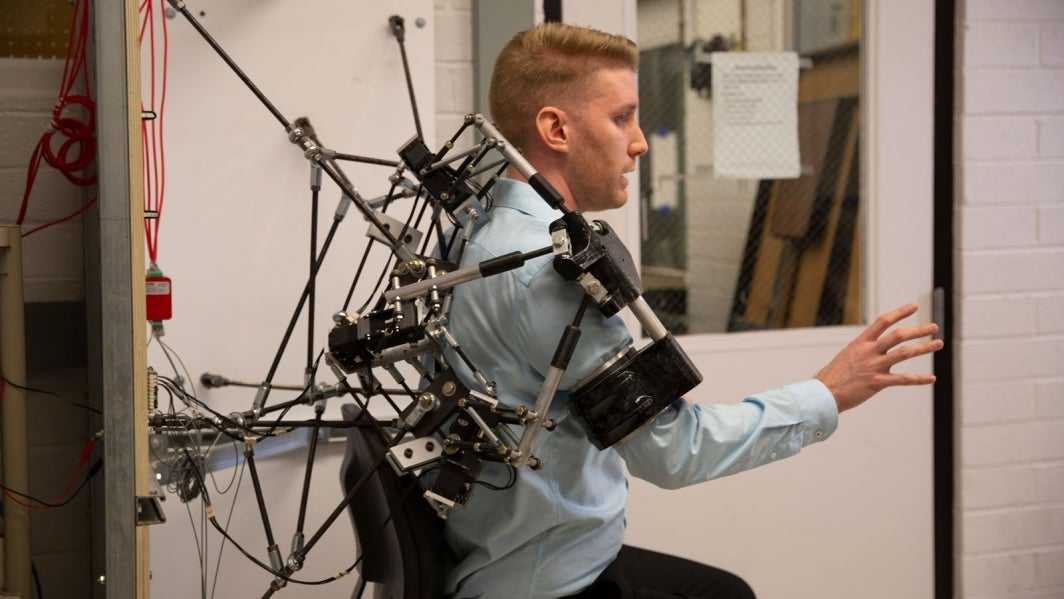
column 722, row 252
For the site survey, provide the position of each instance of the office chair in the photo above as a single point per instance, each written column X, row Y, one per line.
column 399, row 535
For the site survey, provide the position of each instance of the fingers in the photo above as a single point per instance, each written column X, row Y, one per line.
column 907, row 352
column 863, row 367
column 892, row 344
column 909, row 380
column 889, row 319
column 899, row 336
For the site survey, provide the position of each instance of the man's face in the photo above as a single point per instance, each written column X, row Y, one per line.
column 605, row 141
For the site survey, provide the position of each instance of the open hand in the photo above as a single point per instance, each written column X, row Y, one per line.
column 862, row 368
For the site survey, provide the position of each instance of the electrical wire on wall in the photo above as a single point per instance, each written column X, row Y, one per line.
column 69, row 492
column 154, row 44
column 69, row 141
column 66, row 495
column 180, row 461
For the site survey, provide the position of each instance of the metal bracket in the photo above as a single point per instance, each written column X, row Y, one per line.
column 150, row 510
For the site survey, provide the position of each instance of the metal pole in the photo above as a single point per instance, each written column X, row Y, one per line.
column 16, row 542
column 115, row 295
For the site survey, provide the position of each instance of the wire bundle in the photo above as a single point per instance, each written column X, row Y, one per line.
column 77, row 151
column 154, row 167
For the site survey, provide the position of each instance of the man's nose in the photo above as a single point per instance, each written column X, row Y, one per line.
column 639, row 146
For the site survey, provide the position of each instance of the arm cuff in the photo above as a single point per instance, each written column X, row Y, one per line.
column 820, row 413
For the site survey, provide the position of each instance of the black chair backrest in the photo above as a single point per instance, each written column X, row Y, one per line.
column 400, row 537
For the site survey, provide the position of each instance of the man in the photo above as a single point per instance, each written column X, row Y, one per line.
column 567, row 98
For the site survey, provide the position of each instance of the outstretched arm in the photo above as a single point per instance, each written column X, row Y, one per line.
column 862, row 368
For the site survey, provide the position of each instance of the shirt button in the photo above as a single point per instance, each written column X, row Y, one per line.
column 772, row 455
column 818, row 434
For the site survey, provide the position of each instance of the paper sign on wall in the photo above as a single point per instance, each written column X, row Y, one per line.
column 755, row 115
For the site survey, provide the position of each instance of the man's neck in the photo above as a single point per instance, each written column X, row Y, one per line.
column 554, row 178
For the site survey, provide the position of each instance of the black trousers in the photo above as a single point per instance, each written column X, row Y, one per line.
column 643, row 574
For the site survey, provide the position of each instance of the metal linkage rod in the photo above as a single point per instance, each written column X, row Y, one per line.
column 363, row 159
column 271, row 548
column 179, row 6
column 399, row 30
column 446, row 281
column 523, row 166
column 559, row 363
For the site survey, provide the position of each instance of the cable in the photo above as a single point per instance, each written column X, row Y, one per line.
column 210, row 514
column 77, row 212
column 170, row 354
column 232, row 510
column 4, row 381
column 510, row 481
column 199, row 548
column 78, row 151
column 86, row 452
column 11, row 493
column 152, row 137
column 36, row 580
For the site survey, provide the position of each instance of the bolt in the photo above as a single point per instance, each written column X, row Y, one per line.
column 427, row 401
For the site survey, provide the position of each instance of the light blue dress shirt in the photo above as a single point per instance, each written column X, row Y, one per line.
column 554, row 531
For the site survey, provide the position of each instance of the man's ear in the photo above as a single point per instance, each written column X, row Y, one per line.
column 552, row 127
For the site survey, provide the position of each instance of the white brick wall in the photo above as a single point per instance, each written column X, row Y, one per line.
column 454, row 68
column 1011, row 299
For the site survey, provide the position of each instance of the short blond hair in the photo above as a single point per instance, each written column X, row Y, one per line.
column 549, row 64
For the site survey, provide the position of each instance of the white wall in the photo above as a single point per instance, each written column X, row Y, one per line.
column 1010, row 337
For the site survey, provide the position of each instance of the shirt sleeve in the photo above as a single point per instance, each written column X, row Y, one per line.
column 548, row 305
column 691, row 443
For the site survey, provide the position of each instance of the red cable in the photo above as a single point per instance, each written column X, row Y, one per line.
column 86, row 452
column 63, row 219
column 152, row 135
column 78, row 151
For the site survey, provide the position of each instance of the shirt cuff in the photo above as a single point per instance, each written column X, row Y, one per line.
column 820, row 413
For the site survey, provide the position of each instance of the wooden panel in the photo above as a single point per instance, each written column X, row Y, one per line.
column 815, row 271
column 835, row 73
column 798, row 197
column 137, row 267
